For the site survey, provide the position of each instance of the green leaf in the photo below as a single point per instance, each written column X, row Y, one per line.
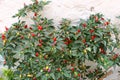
column 13, row 45
column 104, row 42
column 67, row 74
column 110, row 48
column 53, row 76
column 44, row 77
column 39, row 74
column 89, row 49
column 95, row 49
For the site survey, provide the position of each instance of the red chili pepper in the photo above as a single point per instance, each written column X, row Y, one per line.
column 96, row 18
column 40, row 28
column 84, row 25
column 93, row 37
column 91, row 31
column 79, row 74
column 65, row 61
column 106, row 23
column 72, row 64
column 46, row 57
column 78, row 30
column 40, row 41
column 33, row 35
column 72, row 69
column 102, row 50
column 40, row 45
column 36, row 54
column 31, row 28
column 26, row 26
column 36, row 1
column 22, row 37
column 3, row 37
column 68, row 41
column 34, row 78
column 115, row 56
column 84, row 41
column 58, row 69
column 6, row 29
column 102, row 19
column 54, row 39
column 35, row 14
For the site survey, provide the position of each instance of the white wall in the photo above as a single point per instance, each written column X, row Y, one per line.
column 57, row 9
column 7, row 9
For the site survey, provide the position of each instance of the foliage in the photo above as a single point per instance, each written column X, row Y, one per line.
column 7, row 74
column 43, row 52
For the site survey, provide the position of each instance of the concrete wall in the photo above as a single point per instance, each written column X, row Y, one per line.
column 57, row 9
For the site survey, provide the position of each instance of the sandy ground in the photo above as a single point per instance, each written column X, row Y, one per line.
column 57, row 9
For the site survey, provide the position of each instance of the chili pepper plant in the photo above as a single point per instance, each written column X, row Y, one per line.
column 43, row 51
